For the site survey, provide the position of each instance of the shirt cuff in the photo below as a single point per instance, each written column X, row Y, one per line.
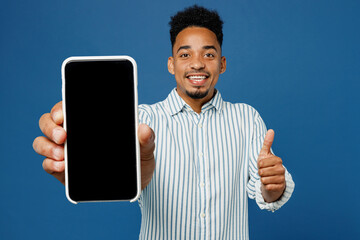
column 273, row 206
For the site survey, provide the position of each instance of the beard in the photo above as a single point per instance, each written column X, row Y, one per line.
column 197, row 94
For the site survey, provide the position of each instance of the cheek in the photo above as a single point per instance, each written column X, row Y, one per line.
column 179, row 69
column 215, row 70
column 219, row 67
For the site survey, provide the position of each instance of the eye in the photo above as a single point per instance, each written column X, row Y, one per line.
column 184, row 55
column 209, row 55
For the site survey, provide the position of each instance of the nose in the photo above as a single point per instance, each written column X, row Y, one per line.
column 197, row 63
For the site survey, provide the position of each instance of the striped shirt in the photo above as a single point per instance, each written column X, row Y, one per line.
column 206, row 166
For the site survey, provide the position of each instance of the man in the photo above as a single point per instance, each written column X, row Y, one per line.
column 209, row 155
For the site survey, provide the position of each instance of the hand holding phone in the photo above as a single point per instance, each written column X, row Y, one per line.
column 52, row 148
column 51, row 145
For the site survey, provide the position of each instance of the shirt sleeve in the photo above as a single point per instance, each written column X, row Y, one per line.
column 144, row 117
column 254, row 183
column 145, row 114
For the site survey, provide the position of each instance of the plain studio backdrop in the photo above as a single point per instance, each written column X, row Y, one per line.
column 296, row 62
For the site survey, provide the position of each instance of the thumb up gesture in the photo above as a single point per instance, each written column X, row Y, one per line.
column 271, row 171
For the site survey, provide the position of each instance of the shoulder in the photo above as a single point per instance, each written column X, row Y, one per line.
column 151, row 109
column 246, row 116
column 240, row 108
column 145, row 109
column 150, row 112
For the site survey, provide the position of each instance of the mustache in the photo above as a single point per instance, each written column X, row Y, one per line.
column 197, row 72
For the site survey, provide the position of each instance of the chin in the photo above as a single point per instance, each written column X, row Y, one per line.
column 197, row 94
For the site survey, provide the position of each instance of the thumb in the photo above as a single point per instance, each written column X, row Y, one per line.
column 146, row 139
column 268, row 141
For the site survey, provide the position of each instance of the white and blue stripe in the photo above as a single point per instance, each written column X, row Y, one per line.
column 206, row 166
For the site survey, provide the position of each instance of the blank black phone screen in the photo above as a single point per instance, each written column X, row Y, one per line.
column 101, row 130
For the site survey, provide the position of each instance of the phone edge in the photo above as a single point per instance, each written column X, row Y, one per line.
column 138, row 163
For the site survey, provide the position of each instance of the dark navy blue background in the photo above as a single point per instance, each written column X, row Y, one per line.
column 296, row 62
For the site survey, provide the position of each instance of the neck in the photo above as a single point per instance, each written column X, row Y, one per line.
column 196, row 104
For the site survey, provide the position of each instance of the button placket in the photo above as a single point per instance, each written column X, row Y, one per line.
column 201, row 148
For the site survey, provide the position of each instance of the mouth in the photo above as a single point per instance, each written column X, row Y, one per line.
column 197, row 79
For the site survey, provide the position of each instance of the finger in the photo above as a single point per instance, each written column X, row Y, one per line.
column 53, row 131
column 55, row 168
column 51, row 166
column 269, row 162
column 47, row 148
column 268, row 141
column 271, row 171
column 273, row 180
column 57, row 113
column 146, row 139
column 275, row 187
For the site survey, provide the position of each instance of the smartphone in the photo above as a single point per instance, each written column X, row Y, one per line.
column 102, row 157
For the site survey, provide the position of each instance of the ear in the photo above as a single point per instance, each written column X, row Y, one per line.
column 171, row 65
column 223, row 65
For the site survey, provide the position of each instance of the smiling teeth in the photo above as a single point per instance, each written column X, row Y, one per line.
column 197, row 78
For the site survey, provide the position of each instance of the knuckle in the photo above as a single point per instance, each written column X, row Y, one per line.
column 269, row 187
column 36, row 143
column 261, row 163
column 53, row 110
column 51, row 166
column 43, row 122
column 42, row 118
column 43, row 150
column 45, row 165
column 282, row 179
column 56, row 107
column 43, row 147
column 263, row 180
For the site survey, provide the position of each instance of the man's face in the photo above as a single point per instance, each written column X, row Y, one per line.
column 196, row 63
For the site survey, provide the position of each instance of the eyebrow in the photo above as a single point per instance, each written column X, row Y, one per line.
column 183, row 47
column 204, row 47
column 210, row 47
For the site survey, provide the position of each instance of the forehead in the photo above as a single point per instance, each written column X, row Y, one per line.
column 196, row 37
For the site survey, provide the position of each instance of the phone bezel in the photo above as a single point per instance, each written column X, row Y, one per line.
column 138, row 170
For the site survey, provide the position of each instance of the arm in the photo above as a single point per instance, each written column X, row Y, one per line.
column 271, row 171
column 270, row 184
column 52, row 146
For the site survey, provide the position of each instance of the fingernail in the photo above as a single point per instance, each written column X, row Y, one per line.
column 58, row 153
column 58, row 165
column 57, row 117
column 57, row 132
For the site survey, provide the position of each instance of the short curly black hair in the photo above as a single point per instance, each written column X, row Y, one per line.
column 196, row 16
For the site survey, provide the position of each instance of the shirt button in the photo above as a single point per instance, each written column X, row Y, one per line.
column 201, row 154
column 202, row 184
column 200, row 125
column 202, row 215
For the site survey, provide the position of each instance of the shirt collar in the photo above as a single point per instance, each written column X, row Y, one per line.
column 176, row 104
